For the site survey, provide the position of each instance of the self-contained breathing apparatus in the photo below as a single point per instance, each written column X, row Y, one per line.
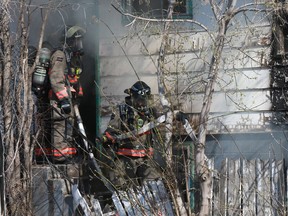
column 40, row 79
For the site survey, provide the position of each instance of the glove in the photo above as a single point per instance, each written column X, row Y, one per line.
column 65, row 106
column 109, row 138
column 106, row 138
column 181, row 116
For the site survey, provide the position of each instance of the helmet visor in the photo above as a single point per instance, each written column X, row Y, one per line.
column 77, row 45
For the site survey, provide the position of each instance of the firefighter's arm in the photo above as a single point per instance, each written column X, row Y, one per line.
column 108, row 138
column 78, row 97
column 110, row 134
column 57, row 81
column 57, row 75
column 79, row 90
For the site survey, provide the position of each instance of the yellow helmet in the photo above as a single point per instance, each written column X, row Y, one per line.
column 74, row 36
column 75, row 30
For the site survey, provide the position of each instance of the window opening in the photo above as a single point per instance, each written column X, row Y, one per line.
column 158, row 9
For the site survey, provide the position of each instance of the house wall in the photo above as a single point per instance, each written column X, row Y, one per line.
column 242, row 113
column 241, row 100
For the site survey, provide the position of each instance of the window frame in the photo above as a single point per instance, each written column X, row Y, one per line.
column 126, row 5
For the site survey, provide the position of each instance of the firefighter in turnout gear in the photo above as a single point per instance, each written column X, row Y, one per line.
column 64, row 73
column 133, row 162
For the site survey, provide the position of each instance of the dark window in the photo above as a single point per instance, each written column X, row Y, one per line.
column 158, row 8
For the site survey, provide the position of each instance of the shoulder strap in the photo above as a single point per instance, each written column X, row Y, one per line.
column 127, row 116
column 123, row 112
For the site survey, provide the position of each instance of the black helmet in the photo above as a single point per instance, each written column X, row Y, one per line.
column 139, row 94
column 139, row 88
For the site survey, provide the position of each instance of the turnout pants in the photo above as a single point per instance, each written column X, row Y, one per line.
column 62, row 133
column 127, row 171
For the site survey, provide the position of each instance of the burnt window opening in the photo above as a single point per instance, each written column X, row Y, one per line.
column 157, row 9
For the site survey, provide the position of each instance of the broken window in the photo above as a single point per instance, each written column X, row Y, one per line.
column 158, row 9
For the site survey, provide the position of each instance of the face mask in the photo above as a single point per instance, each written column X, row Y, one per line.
column 140, row 103
column 77, row 46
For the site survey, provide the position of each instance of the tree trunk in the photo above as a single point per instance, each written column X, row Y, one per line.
column 11, row 160
column 171, row 178
column 202, row 169
column 17, row 115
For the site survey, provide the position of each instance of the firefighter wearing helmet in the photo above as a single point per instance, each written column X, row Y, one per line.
column 133, row 162
column 64, row 72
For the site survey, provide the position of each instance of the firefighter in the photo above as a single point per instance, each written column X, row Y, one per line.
column 133, row 162
column 65, row 69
